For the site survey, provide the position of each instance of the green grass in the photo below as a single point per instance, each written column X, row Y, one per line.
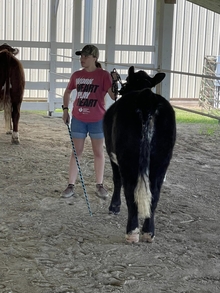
column 181, row 117
column 188, row 117
column 207, row 126
column 208, row 130
column 43, row 113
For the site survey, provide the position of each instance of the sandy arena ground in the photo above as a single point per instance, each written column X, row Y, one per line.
column 48, row 245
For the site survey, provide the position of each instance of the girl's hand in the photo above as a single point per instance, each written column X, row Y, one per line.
column 66, row 116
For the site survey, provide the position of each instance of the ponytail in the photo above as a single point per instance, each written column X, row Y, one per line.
column 98, row 64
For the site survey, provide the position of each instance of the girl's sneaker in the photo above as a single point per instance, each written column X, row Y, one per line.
column 101, row 191
column 68, row 192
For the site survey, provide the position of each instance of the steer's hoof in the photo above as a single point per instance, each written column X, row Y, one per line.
column 133, row 236
column 15, row 138
column 9, row 132
column 147, row 237
column 15, row 141
column 114, row 210
column 114, row 213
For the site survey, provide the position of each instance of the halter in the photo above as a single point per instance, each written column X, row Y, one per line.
column 115, row 79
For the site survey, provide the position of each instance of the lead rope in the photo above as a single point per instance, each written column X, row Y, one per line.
column 79, row 169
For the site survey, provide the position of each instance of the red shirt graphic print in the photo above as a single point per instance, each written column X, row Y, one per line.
column 91, row 87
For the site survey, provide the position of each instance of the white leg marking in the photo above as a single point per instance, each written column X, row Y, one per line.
column 133, row 237
column 165, row 177
column 15, row 138
column 146, row 237
column 114, row 159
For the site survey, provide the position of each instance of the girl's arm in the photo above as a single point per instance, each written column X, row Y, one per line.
column 66, row 99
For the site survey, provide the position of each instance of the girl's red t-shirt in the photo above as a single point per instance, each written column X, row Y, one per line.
column 91, row 87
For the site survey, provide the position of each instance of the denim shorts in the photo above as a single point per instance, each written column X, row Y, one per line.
column 80, row 129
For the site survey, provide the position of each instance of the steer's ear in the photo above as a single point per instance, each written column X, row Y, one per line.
column 15, row 51
column 131, row 71
column 158, row 78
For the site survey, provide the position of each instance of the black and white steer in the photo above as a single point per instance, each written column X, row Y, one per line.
column 140, row 133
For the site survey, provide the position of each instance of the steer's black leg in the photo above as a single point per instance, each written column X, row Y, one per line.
column 132, row 222
column 132, row 230
column 156, row 180
column 148, row 226
column 115, row 205
column 128, row 162
column 15, row 120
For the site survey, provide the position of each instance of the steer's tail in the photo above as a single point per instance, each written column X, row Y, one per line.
column 142, row 192
column 143, row 197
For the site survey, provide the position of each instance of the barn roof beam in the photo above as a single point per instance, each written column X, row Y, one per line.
column 213, row 5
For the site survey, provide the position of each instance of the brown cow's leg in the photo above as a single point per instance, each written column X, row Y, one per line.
column 15, row 119
column 7, row 116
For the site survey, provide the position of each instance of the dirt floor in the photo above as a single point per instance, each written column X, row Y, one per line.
column 50, row 245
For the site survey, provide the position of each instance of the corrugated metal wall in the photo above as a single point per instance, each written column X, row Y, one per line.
column 196, row 34
column 135, row 27
column 28, row 20
column 64, row 35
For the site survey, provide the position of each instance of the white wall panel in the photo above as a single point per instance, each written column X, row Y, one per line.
column 196, row 34
column 28, row 20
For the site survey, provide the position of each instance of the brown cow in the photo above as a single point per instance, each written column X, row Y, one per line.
column 12, row 83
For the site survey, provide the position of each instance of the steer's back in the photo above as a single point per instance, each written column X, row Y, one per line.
column 137, row 116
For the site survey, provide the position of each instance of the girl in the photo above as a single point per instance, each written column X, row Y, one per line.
column 91, row 83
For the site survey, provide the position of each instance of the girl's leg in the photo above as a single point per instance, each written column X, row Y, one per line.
column 99, row 163
column 73, row 169
column 99, row 159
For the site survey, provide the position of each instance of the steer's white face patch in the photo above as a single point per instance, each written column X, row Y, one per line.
column 114, row 159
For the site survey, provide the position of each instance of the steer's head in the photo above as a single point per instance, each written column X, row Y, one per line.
column 5, row 46
column 140, row 80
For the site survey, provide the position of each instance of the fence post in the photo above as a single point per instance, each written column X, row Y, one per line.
column 53, row 53
column 163, row 42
